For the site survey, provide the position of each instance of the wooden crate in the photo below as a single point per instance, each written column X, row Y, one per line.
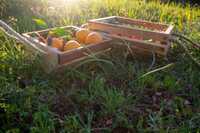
column 55, row 58
column 144, row 36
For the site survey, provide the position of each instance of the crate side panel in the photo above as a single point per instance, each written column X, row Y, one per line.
column 79, row 53
column 112, row 29
column 150, row 25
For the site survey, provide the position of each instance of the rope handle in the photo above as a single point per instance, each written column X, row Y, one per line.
column 12, row 33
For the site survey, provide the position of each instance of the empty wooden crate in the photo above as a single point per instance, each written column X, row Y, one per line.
column 144, row 36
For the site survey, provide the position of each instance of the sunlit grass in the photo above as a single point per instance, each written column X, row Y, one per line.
column 77, row 12
column 76, row 99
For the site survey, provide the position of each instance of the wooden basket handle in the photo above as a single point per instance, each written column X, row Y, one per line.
column 12, row 33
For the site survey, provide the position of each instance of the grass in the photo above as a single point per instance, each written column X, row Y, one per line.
column 106, row 94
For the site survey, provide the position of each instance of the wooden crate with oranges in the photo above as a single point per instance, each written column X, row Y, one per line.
column 71, row 44
column 68, row 45
column 145, row 37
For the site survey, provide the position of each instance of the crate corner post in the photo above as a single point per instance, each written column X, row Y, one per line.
column 51, row 61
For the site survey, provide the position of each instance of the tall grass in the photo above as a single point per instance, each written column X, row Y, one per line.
column 77, row 13
column 104, row 94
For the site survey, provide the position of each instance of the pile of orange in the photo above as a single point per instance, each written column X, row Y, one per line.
column 82, row 37
column 71, row 45
column 86, row 37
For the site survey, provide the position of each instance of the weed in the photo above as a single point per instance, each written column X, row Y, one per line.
column 113, row 100
column 163, row 101
column 43, row 121
column 71, row 124
column 170, row 82
column 76, row 123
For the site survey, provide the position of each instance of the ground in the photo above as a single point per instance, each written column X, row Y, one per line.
column 109, row 96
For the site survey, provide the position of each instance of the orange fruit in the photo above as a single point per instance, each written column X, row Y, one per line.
column 94, row 38
column 81, row 35
column 57, row 43
column 71, row 45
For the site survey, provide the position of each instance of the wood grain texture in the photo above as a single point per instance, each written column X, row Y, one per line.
column 157, row 26
column 125, row 31
column 69, row 56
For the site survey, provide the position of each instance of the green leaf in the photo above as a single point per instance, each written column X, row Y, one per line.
column 59, row 32
column 40, row 23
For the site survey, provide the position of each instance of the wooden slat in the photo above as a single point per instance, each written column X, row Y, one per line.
column 36, row 42
column 114, row 29
column 141, row 42
column 47, row 30
column 147, row 24
column 139, row 50
column 76, row 61
column 101, row 19
column 50, row 60
column 159, row 49
column 69, row 56
column 169, row 30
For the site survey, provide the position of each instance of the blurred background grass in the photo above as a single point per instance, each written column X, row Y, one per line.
column 32, row 101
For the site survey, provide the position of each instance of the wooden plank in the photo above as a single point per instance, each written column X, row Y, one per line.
column 76, row 61
column 169, row 30
column 69, row 56
column 47, row 30
column 168, row 46
column 141, row 51
column 114, row 29
column 102, row 19
column 144, row 50
column 141, row 42
column 146, row 47
column 50, row 60
column 150, row 25
column 36, row 42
